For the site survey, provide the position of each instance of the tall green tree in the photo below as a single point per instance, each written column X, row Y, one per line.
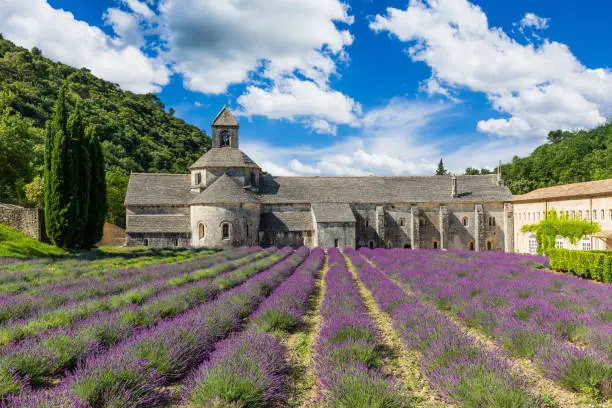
column 441, row 171
column 82, row 176
column 97, row 190
column 58, row 181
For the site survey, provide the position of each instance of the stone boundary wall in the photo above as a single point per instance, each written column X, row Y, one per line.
column 29, row 221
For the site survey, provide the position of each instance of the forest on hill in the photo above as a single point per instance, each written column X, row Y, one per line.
column 137, row 133
column 567, row 157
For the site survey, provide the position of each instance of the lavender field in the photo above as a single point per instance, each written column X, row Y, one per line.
column 256, row 327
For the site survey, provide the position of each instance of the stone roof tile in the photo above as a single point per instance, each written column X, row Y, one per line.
column 588, row 188
column 158, row 189
column 225, row 118
column 288, row 220
column 224, row 190
column 224, row 157
column 158, row 224
column 332, row 212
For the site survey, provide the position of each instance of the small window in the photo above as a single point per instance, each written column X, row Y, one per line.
column 466, row 221
column 580, row 214
column 335, row 243
column 471, row 246
column 201, row 231
column 538, row 216
column 567, row 215
column 371, row 244
column 175, row 242
column 146, row 242
column 573, row 215
column 533, row 244
column 367, row 223
column 225, row 229
column 421, row 222
column 493, row 221
column 520, row 217
column 490, row 221
column 402, row 222
column 435, row 245
column 225, row 139
column 594, row 215
column 603, row 215
column 198, row 179
column 559, row 242
column 585, row 243
column 246, row 227
column 489, row 245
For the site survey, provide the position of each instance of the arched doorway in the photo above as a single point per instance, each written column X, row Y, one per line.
column 371, row 244
column 472, row 245
column 489, row 245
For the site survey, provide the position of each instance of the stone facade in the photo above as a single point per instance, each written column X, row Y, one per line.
column 29, row 221
column 225, row 202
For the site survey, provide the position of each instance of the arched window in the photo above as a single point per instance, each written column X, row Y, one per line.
column 246, row 228
column 493, row 221
column 559, row 242
column 146, row 242
column 336, row 243
column 225, row 138
column 402, row 221
column 371, row 244
column 594, row 215
column 225, row 231
column 472, row 245
column 466, row 221
column 201, row 231
column 580, row 214
column 490, row 221
column 435, row 245
column 573, row 215
column 603, row 215
column 585, row 243
column 489, row 245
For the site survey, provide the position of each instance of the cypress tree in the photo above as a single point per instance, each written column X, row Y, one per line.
column 97, row 191
column 82, row 173
column 441, row 171
column 56, row 150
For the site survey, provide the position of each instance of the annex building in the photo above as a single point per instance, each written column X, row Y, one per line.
column 225, row 201
column 591, row 200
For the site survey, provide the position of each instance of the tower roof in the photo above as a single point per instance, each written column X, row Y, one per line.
column 225, row 118
column 224, row 157
column 225, row 190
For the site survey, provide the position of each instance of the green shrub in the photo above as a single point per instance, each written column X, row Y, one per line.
column 596, row 265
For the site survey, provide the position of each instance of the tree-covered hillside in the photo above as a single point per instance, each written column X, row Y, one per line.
column 137, row 133
column 568, row 157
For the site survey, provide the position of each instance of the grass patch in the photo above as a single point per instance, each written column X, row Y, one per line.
column 14, row 244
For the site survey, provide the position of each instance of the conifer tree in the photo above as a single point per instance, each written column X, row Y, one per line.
column 441, row 171
column 56, row 152
column 97, row 191
column 82, row 175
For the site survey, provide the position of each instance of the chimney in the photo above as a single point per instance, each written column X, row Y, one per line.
column 500, row 180
column 454, row 186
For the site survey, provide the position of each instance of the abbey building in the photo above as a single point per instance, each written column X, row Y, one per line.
column 226, row 202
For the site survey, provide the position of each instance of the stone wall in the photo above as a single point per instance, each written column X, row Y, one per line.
column 243, row 221
column 29, row 221
column 158, row 240
column 340, row 235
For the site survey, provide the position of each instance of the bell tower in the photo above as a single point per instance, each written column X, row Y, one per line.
column 225, row 130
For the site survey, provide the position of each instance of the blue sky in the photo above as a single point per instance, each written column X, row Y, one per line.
column 348, row 87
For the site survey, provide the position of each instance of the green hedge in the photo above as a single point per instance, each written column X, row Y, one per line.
column 596, row 265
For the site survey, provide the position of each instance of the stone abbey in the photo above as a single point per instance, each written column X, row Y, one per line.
column 227, row 202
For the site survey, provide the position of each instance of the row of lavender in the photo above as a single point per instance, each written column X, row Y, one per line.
column 134, row 372
column 459, row 368
column 50, row 296
column 251, row 368
column 560, row 322
column 27, row 276
column 35, row 361
column 43, row 320
column 348, row 350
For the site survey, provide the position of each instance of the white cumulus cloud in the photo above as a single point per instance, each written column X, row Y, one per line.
column 537, row 22
column 537, row 88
